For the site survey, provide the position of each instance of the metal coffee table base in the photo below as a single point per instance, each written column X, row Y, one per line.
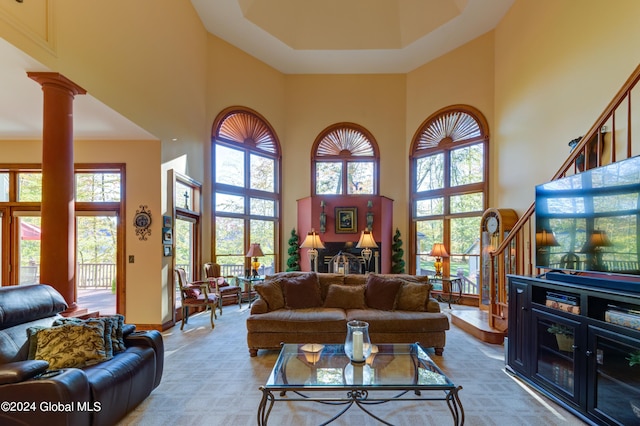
column 360, row 397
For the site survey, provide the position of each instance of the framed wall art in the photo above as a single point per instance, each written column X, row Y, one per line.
column 346, row 220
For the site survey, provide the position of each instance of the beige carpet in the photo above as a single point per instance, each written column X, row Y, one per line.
column 209, row 379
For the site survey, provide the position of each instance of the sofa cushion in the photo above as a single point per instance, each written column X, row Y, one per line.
column 271, row 292
column 381, row 292
column 399, row 321
column 71, row 345
column 310, row 320
column 413, row 296
column 302, row 292
column 114, row 335
column 345, row 297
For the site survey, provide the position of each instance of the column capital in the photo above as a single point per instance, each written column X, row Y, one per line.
column 56, row 79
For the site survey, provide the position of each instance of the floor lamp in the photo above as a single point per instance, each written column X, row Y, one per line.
column 313, row 243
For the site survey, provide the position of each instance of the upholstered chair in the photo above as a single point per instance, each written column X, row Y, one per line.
column 224, row 287
column 196, row 295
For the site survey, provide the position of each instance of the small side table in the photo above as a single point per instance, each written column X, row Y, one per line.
column 248, row 286
column 451, row 281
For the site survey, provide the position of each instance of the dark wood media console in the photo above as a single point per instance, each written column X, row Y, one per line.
column 579, row 344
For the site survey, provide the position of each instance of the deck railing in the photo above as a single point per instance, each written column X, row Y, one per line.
column 607, row 141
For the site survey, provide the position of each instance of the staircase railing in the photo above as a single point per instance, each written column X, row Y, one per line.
column 607, row 141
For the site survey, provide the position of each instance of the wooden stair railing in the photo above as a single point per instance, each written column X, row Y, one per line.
column 607, row 141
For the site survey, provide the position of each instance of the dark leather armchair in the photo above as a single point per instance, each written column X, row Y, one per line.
column 99, row 394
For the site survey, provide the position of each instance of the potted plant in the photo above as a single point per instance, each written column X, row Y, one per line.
column 564, row 336
column 634, row 358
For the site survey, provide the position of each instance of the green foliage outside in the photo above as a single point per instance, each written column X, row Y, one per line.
column 293, row 262
column 96, row 236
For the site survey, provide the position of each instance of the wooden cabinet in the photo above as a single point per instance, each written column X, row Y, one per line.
column 572, row 352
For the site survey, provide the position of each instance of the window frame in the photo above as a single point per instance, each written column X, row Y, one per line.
column 344, row 158
column 446, row 145
column 249, row 148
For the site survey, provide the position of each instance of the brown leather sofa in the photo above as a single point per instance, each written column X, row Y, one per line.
column 98, row 394
column 298, row 307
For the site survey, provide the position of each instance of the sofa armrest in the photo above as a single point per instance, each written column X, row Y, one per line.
column 433, row 305
column 51, row 398
column 14, row 372
column 259, row 306
column 153, row 340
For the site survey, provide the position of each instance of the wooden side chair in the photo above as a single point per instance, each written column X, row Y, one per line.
column 221, row 285
column 196, row 295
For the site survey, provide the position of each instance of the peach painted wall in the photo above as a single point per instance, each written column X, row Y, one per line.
column 314, row 102
column 557, row 66
column 142, row 159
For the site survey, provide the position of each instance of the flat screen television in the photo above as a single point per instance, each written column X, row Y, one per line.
column 590, row 221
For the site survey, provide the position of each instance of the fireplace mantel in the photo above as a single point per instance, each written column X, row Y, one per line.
column 310, row 208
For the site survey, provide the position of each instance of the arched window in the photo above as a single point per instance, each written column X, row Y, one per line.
column 345, row 161
column 449, row 176
column 246, row 190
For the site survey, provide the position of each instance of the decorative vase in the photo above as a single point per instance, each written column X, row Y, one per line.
column 357, row 345
column 565, row 342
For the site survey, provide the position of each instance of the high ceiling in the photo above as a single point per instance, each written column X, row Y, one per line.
column 293, row 36
column 349, row 36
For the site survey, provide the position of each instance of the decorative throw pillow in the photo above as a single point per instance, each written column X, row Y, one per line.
column 108, row 329
column 192, row 292
column 413, row 296
column 302, row 292
column 117, row 335
column 271, row 292
column 71, row 345
column 345, row 297
column 380, row 292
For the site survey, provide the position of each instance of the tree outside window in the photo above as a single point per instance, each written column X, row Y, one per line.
column 449, row 176
column 345, row 161
column 246, row 190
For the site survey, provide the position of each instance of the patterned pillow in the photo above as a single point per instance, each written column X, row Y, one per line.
column 345, row 297
column 71, row 345
column 413, row 296
column 117, row 336
column 108, row 329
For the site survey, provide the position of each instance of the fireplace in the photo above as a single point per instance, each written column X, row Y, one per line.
column 356, row 262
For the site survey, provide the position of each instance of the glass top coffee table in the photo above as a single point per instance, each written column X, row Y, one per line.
column 324, row 374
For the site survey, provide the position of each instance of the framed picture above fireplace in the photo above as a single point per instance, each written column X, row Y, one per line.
column 346, row 220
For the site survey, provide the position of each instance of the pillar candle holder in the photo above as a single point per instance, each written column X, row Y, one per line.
column 357, row 345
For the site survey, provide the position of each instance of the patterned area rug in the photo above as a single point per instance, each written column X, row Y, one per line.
column 210, row 379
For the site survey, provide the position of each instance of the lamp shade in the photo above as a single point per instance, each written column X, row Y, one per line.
column 546, row 239
column 438, row 250
column 254, row 251
column 312, row 241
column 367, row 240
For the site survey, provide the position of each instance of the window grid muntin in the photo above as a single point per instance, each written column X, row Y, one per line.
column 345, row 143
column 445, row 145
column 265, row 147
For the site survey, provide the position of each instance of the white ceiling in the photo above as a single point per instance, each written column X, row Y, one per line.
column 293, row 36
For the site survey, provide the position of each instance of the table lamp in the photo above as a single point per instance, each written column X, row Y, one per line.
column 366, row 243
column 313, row 243
column 255, row 251
column 438, row 251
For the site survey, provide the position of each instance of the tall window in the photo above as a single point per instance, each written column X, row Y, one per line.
column 246, row 186
column 99, row 231
column 449, row 177
column 345, row 161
